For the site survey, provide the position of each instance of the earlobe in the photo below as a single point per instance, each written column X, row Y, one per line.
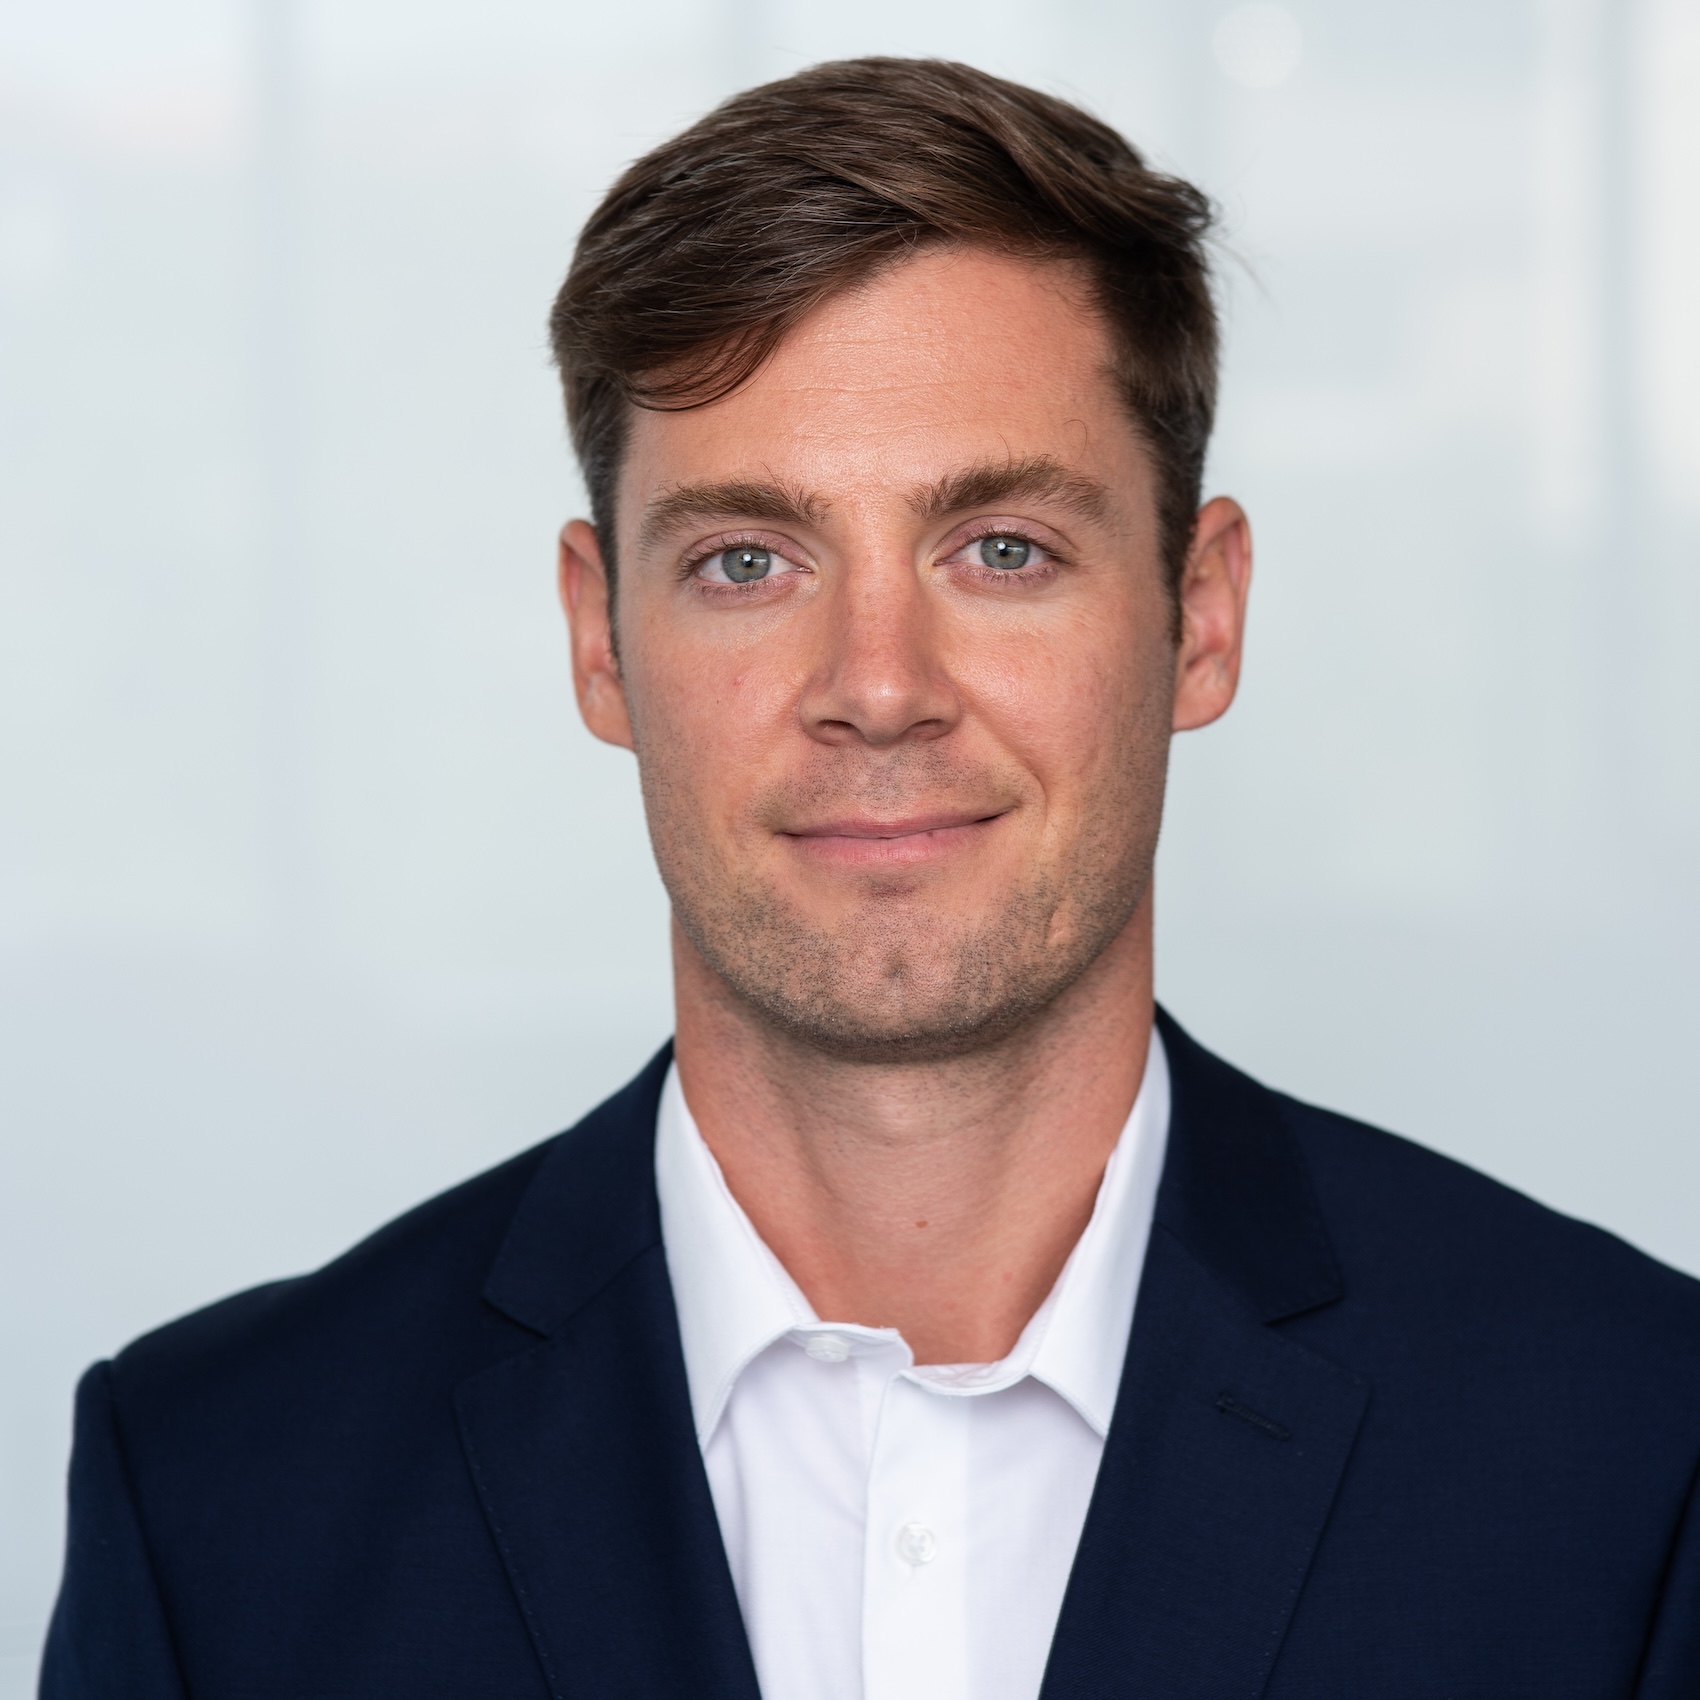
column 582, row 581
column 1214, row 587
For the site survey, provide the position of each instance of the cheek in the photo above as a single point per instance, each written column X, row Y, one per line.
column 704, row 721
column 1074, row 701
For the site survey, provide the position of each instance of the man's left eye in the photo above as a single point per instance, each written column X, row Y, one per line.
column 1006, row 553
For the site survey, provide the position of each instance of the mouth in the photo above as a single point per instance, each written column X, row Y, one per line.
column 864, row 840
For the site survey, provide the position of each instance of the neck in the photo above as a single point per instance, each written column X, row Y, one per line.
column 938, row 1198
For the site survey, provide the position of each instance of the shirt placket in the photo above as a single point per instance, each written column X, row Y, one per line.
column 915, row 1600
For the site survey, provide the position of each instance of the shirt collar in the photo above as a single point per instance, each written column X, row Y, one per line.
column 734, row 1298
column 1084, row 1339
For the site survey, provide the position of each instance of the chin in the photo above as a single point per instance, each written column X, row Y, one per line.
column 906, row 982
column 911, row 1005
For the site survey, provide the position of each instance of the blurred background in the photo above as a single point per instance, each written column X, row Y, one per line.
column 314, row 895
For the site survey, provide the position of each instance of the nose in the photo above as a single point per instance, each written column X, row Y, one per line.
column 880, row 678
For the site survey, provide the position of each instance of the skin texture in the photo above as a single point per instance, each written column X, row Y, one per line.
column 905, row 803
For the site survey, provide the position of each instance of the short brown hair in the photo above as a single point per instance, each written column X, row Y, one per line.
column 712, row 246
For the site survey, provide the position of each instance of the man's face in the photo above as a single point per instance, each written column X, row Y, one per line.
column 896, row 659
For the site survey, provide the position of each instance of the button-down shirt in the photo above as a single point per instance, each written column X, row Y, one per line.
column 899, row 1531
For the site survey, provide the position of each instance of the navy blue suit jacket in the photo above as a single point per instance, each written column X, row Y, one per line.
column 1387, row 1431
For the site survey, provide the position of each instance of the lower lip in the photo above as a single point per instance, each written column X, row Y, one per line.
column 903, row 850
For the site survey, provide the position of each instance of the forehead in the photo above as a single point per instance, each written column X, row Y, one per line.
column 950, row 358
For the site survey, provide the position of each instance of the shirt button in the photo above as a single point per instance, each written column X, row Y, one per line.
column 827, row 1348
column 917, row 1544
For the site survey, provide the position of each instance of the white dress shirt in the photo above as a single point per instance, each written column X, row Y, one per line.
column 898, row 1531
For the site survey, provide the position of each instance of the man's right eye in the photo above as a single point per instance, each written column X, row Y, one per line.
column 743, row 564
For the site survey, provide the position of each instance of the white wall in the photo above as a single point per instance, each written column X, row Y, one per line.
column 296, row 821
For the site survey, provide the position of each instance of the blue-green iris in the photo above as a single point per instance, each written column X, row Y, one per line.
column 1005, row 552
column 744, row 564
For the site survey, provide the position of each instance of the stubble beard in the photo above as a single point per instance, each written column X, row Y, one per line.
column 896, row 980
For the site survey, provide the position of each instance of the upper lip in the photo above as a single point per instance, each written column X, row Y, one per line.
column 900, row 826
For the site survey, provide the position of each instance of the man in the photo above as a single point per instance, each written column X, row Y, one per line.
column 934, row 1318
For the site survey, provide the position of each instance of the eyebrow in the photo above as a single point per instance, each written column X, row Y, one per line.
column 740, row 498
column 996, row 483
column 990, row 484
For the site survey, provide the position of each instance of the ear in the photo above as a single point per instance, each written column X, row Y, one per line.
column 1213, row 603
column 583, row 581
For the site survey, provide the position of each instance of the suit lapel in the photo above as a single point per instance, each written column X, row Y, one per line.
column 1229, row 1439
column 1222, row 1462
column 582, row 1447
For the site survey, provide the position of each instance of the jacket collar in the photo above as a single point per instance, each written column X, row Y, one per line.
column 1230, row 1438
column 589, row 1211
column 581, row 1446
column 1236, row 1191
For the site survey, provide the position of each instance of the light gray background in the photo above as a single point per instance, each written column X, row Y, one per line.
column 316, row 898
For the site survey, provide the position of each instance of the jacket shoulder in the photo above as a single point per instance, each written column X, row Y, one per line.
column 412, row 1309
column 415, row 1282
column 1410, row 1224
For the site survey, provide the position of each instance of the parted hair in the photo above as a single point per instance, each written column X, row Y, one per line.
column 711, row 247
